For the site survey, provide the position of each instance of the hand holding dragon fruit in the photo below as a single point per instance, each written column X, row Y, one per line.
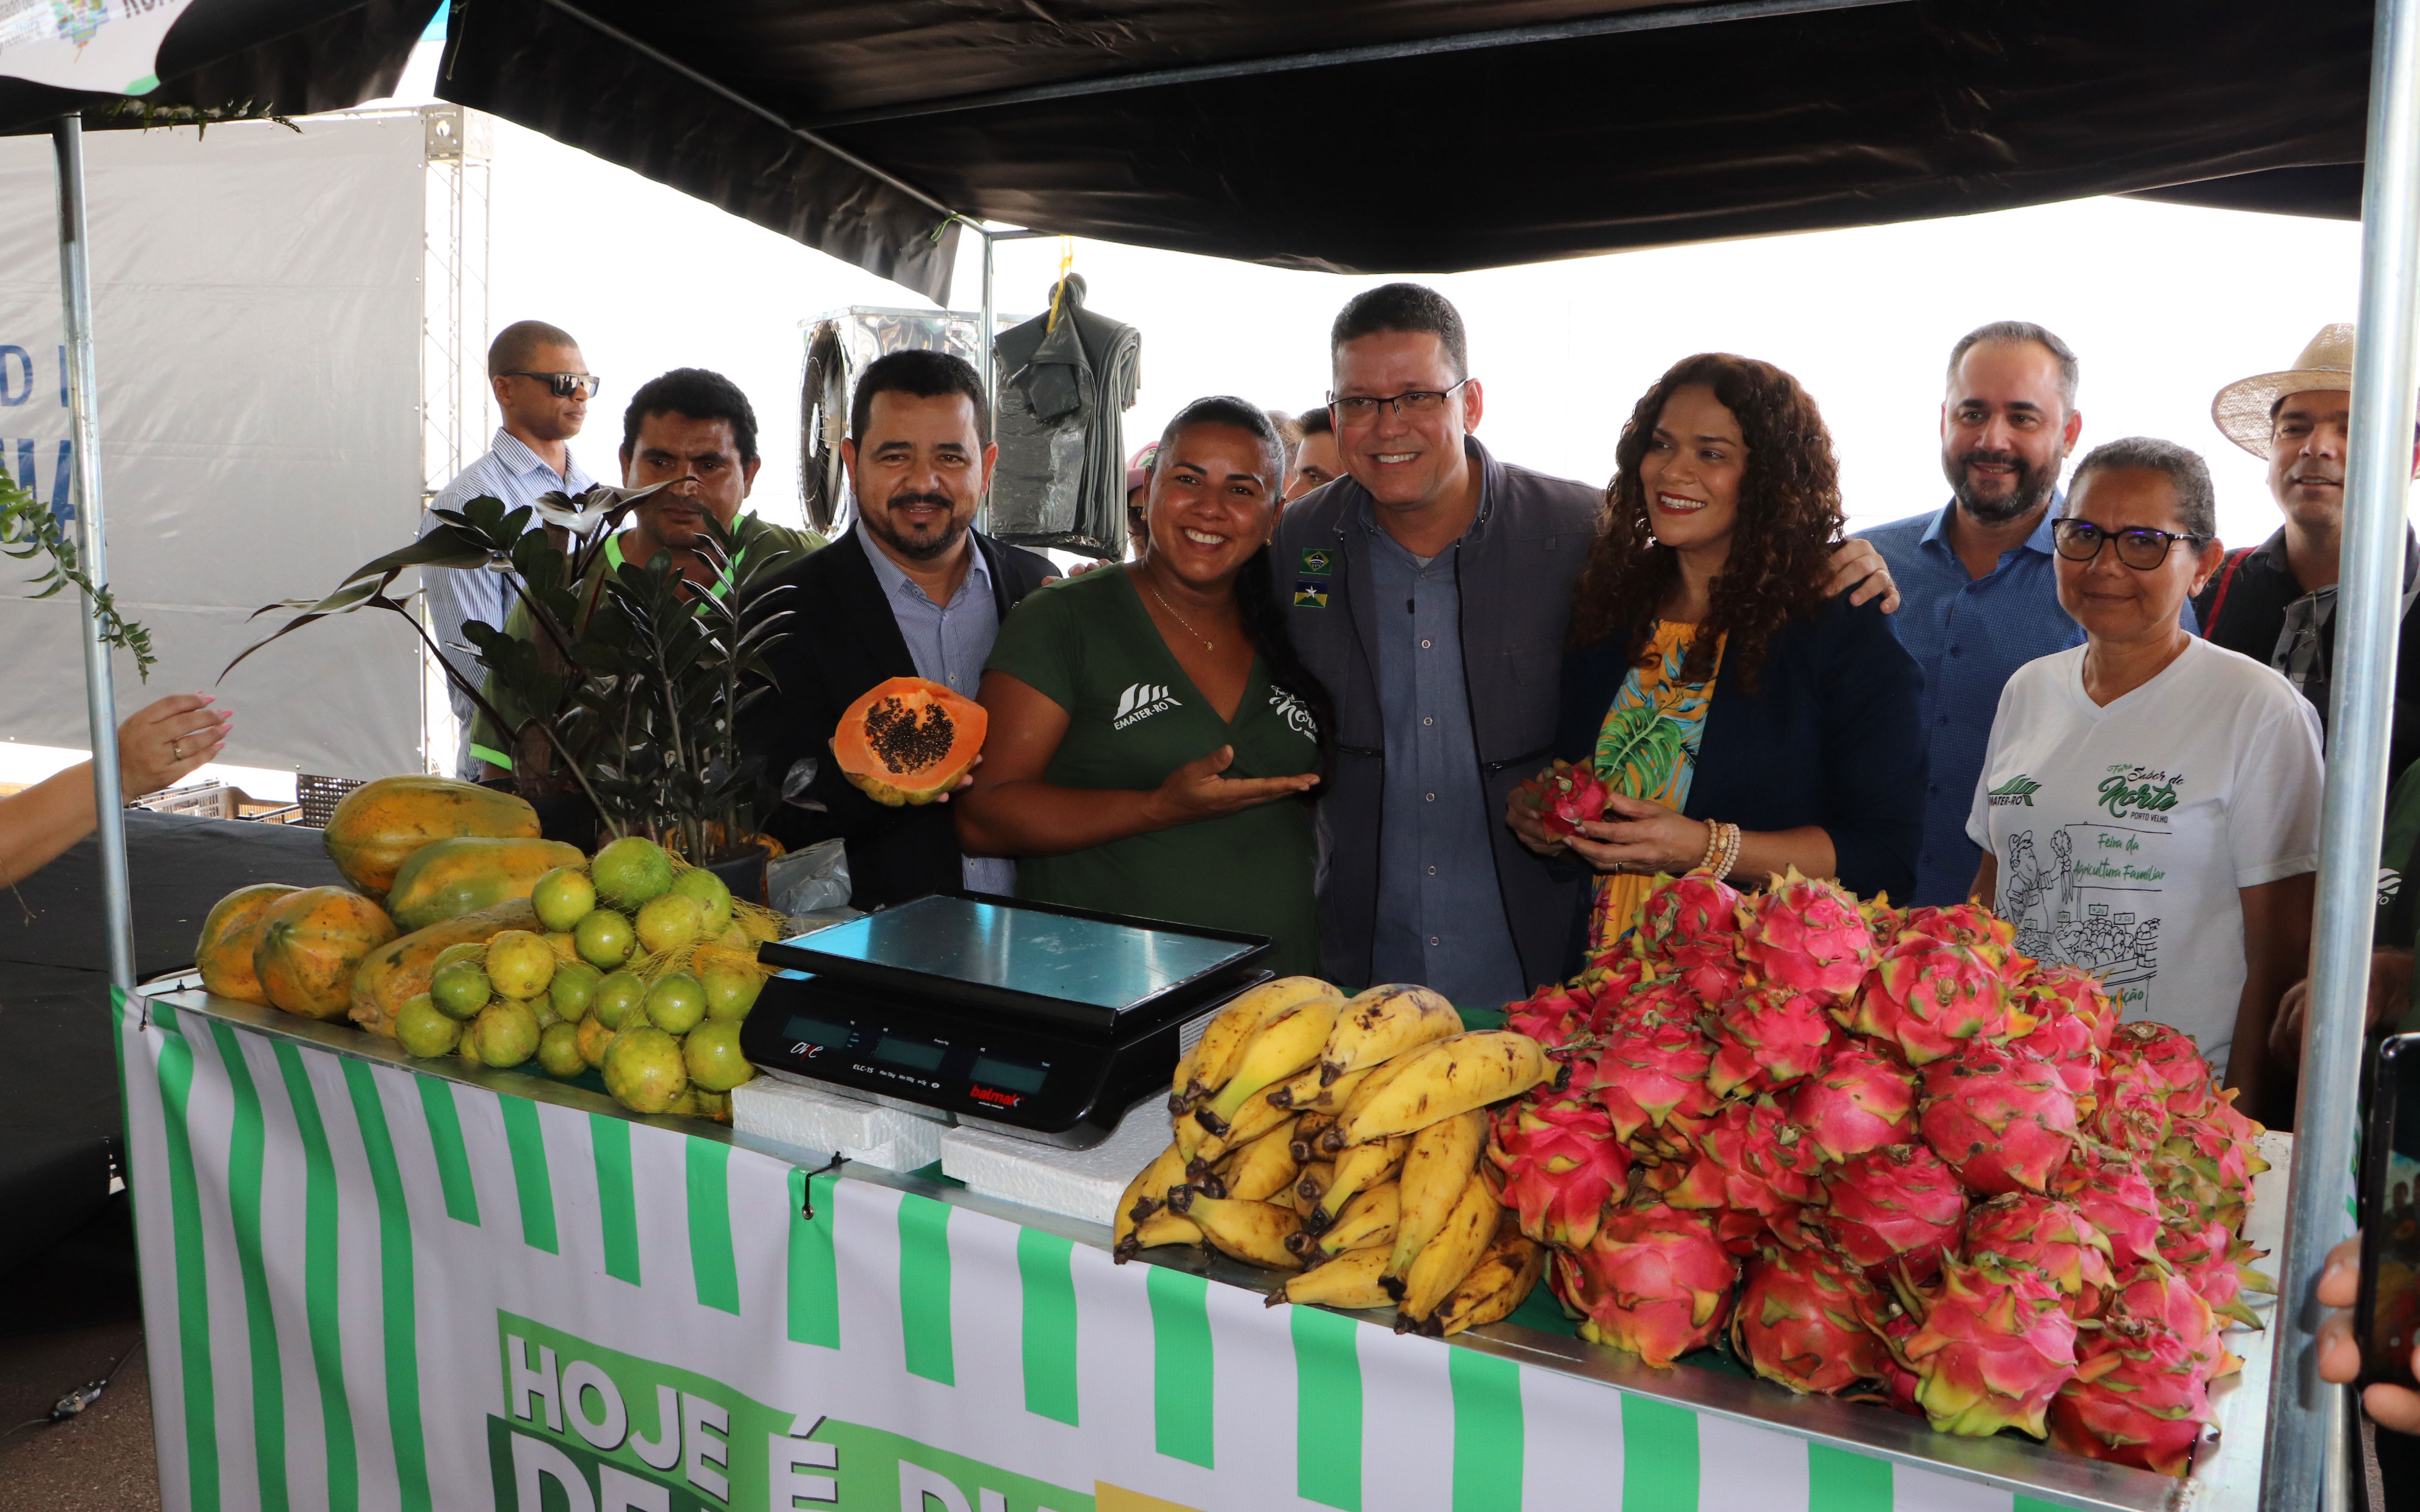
column 1567, row 796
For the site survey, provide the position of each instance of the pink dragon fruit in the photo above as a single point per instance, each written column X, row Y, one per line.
column 1755, row 1169
column 2073, row 990
column 2003, row 1123
column 2140, row 1397
column 1551, row 1015
column 1560, row 1166
column 1806, row 935
column 1806, row 1322
column 2157, row 1294
column 1689, row 928
column 1567, row 796
column 1995, row 1346
column 1895, row 1205
column 1969, row 924
column 2171, row 1056
column 2063, row 1040
column 2129, row 1108
column 1862, row 1099
column 2204, row 1169
column 1654, row 1281
column 1652, row 1080
column 1664, row 997
column 1898, row 1379
column 2052, row 1237
column 1768, row 1037
column 2114, row 1198
column 1927, row 997
column 2217, row 1265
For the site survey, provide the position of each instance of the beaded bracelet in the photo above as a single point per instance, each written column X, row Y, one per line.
column 1731, row 851
column 1714, row 846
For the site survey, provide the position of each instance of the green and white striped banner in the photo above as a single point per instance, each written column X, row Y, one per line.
column 369, row 1287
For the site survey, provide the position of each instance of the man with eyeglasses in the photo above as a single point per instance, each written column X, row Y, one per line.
column 542, row 386
column 1429, row 590
column 1981, row 595
column 2277, row 602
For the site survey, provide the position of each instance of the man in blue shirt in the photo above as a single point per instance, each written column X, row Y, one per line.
column 1978, row 586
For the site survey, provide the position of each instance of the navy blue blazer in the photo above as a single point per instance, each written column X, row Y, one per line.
column 1829, row 737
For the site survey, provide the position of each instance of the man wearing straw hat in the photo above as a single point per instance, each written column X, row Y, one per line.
column 2277, row 602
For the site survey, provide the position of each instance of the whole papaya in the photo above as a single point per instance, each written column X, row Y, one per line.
column 310, row 944
column 398, row 971
column 379, row 825
column 224, row 954
column 447, row 878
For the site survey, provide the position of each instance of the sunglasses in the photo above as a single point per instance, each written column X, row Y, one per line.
column 2139, row 546
column 562, row 385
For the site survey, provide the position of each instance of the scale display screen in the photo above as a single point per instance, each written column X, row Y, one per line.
column 1103, row 964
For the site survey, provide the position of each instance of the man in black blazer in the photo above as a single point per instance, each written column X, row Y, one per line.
column 912, row 590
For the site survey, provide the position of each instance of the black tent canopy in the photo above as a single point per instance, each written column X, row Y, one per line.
column 1424, row 135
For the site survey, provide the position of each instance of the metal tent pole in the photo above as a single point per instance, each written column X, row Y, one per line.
column 991, row 383
column 2301, row 1453
column 84, row 409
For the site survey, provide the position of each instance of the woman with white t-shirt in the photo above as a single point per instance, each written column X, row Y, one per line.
column 2149, row 803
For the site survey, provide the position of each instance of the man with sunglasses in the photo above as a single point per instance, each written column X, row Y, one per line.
column 2277, row 602
column 1428, row 590
column 542, row 386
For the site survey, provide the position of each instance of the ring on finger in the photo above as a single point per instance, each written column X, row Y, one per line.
column 175, row 750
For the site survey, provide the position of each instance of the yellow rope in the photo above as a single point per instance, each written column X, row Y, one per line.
column 1059, row 290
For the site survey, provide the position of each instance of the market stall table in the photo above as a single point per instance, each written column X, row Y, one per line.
column 377, row 1280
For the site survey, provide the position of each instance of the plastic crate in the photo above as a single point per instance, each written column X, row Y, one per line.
column 317, row 797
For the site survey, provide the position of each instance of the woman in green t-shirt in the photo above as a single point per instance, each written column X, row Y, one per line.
column 1154, row 738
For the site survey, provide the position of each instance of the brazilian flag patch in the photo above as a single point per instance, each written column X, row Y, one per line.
column 1310, row 594
column 1315, row 564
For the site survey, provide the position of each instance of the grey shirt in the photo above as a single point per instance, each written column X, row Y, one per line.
column 1440, row 911
column 950, row 644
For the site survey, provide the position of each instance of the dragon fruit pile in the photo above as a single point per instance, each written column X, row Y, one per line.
column 1897, row 1160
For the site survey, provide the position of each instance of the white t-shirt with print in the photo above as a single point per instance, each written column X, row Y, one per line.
column 2123, row 832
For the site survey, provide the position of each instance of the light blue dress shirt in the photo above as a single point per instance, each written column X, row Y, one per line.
column 510, row 471
column 949, row 644
column 1969, row 635
column 1440, row 910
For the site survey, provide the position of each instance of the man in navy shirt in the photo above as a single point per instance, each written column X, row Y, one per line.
column 1978, row 591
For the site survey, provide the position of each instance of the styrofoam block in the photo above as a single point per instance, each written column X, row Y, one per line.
column 772, row 1108
column 1077, row 1183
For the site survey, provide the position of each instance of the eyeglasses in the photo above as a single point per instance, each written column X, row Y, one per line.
column 562, row 385
column 2139, row 547
column 1418, row 403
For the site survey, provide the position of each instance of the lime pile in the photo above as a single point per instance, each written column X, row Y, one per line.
column 641, row 974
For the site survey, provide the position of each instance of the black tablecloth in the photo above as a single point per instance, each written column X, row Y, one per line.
column 59, row 1118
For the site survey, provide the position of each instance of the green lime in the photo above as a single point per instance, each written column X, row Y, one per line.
column 459, row 990
column 617, row 998
column 668, row 922
column 711, row 894
column 604, row 939
column 558, row 1052
column 630, row 871
column 562, row 898
column 519, row 965
column 644, row 1069
column 731, row 990
column 507, row 1033
column 573, row 988
column 676, row 1003
column 711, row 1052
column 423, row 1031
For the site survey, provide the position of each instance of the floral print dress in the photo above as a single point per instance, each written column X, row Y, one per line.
column 1648, row 748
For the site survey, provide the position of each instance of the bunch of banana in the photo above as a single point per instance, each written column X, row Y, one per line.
column 1344, row 1141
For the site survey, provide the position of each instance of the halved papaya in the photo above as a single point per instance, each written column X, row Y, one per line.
column 908, row 741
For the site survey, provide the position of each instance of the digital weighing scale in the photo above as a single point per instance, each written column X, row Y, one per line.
column 1043, row 1021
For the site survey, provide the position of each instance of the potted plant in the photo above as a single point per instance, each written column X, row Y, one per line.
column 623, row 685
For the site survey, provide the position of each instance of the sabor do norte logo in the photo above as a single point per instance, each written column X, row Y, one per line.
column 592, row 1429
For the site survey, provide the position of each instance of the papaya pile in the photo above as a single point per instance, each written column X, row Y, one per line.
column 465, row 934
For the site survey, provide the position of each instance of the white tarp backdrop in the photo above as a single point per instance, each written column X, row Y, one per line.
column 258, row 315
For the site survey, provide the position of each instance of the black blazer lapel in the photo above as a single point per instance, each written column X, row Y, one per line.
column 861, row 609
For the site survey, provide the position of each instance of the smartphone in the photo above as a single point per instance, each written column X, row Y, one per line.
column 2386, row 1319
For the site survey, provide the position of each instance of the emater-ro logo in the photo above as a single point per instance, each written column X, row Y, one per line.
column 1006, row 1100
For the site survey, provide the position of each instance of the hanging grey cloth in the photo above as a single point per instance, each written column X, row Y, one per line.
column 1063, row 393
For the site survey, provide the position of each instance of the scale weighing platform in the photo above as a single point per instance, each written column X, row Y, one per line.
column 1042, row 1022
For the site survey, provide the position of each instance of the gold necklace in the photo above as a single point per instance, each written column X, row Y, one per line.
column 1207, row 644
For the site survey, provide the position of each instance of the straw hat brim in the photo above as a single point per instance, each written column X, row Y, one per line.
column 2241, row 408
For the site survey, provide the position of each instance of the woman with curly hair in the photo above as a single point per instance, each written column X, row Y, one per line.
column 1742, row 721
